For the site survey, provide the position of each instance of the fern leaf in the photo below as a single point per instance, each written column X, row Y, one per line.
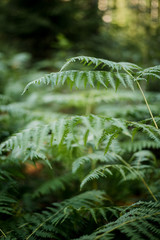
column 150, row 130
column 96, row 174
column 6, row 203
column 139, row 145
column 151, row 71
column 100, row 130
column 81, row 78
column 140, row 159
column 100, row 62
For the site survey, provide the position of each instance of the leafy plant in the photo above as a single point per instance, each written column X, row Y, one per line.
column 88, row 167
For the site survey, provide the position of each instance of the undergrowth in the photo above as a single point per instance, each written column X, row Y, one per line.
column 83, row 164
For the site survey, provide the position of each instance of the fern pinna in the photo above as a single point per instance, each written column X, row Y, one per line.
column 113, row 161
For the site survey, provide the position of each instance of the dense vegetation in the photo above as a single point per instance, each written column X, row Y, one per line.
column 79, row 139
column 91, row 160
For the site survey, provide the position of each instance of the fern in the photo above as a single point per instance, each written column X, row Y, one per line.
column 151, row 131
column 81, row 79
column 6, row 203
column 61, row 212
column 82, row 98
column 101, row 62
column 59, row 131
column 53, row 185
column 99, row 131
column 139, row 145
column 106, row 170
column 139, row 221
column 49, row 204
column 140, row 158
column 121, row 75
column 151, row 72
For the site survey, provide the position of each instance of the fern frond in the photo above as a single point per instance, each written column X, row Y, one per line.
column 98, row 156
column 139, row 145
column 6, row 203
column 80, row 79
column 81, row 99
column 58, row 132
column 55, row 184
column 143, row 159
column 24, row 139
column 151, row 72
column 98, row 129
column 88, row 158
column 98, row 62
column 105, row 171
column 61, row 212
column 152, row 132
column 100, row 212
column 139, row 221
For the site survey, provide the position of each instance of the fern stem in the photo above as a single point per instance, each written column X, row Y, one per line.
column 139, row 86
column 93, row 166
column 21, row 226
column 147, row 104
column 122, row 224
column 141, row 178
column 144, row 182
column 89, row 104
column 40, row 225
column 3, row 233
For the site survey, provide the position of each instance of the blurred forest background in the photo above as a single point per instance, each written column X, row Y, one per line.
column 40, row 35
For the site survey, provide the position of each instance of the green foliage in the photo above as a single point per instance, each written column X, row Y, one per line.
column 65, row 166
column 141, row 220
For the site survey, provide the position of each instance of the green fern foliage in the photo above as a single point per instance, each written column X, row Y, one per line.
column 79, row 165
column 120, row 73
column 82, row 79
column 102, row 63
column 6, row 203
column 53, row 185
column 151, row 72
column 100, row 129
column 141, row 220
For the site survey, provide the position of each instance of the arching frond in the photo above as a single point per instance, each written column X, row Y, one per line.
column 99, row 62
column 152, row 132
column 143, row 159
column 106, row 170
column 151, row 72
column 82, row 79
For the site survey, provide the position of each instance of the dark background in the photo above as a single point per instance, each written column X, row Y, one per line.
column 118, row 30
column 47, row 32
